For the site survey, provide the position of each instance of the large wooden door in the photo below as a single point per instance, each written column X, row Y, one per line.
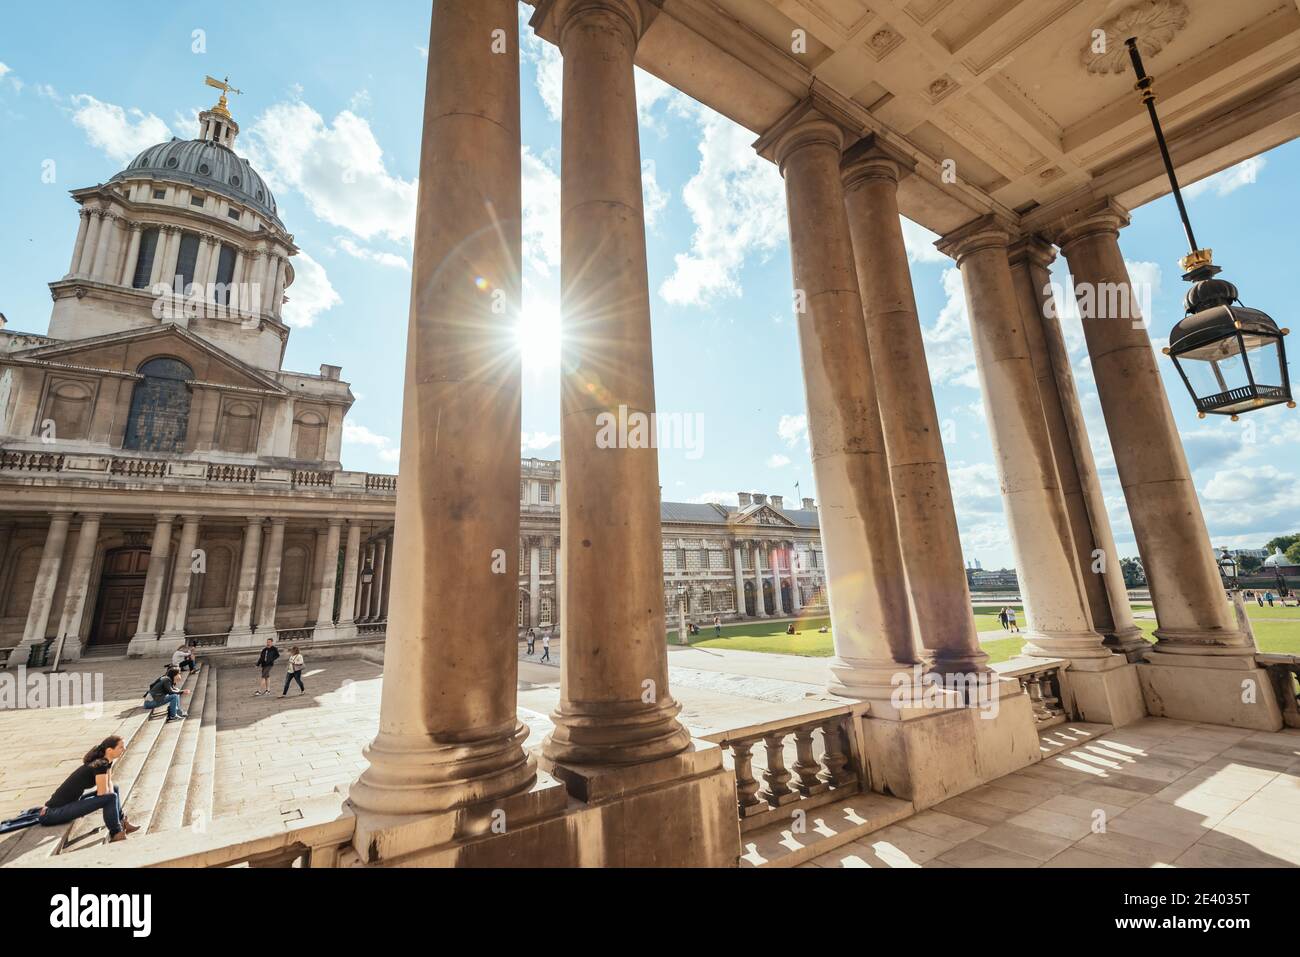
column 121, row 592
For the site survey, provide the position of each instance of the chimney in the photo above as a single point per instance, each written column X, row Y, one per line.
column 744, row 499
column 760, row 499
column 809, row 505
column 776, row 501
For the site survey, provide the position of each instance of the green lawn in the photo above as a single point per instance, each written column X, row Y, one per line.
column 1277, row 630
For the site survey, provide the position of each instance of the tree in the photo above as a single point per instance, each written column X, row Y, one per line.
column 1293, row 554
column 1282, row 543
column 1249, row 564
column 1134, row 575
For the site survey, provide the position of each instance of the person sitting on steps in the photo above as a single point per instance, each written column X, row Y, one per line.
column 75, row 798
column 183, row 658
column 164, row 692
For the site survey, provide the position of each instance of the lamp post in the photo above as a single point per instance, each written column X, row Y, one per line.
column 1232, row 584
column 1231, row 358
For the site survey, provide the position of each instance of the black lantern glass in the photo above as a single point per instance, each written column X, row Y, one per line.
column 1231, row 358
column 367, row 574
column 1228, row 569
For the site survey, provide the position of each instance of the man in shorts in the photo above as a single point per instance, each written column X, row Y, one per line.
column 265, row 661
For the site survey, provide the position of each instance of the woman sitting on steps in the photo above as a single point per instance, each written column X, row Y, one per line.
column 74, row 797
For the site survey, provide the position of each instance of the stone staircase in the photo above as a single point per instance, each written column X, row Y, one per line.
column 165, row 778
column 788, row 843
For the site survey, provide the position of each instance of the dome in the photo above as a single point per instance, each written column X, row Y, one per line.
column 209, row 166
column 1276, row 559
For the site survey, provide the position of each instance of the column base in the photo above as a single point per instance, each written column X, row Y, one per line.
column 412, row 774
column 1131, row 643
column 621, row 825
column 143, row 646
column 602, row 734
column 1075, row 645
column 1103, row 693
column 893, row 690
column 1214, row 690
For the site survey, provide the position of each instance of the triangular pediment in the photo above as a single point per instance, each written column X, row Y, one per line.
column 125, row 351
column 761, row 515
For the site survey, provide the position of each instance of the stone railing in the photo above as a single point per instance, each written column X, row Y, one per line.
column 189, row 471
column 1284, row 671
column 208, row 641
column 370, row 629
column 1041, row 680
column 824, row 769
column 284, row 635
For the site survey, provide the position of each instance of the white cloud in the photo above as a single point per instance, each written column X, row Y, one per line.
column 360, row 101
column 541, row 187
column 1229, row 180
column 4, row 70
column 548, row 66
column 778, row 461
column 338, row 167
column 655, row 199
column 311, row 292
column 354, row 434
column 537, row 441
column 737, row 203
column 720, row 498
column 949, row 350
column 919, row 242
column 371, row 255
column 120, row 134
column 792, row 428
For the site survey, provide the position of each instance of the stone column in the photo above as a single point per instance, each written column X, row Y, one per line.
column 113, row 260
column 1094, row 543
column 47, row 579
column 160, row 254
column 132, row 255
column 1186, row 589
column 145, row 641
column 182, row 576
column 918, row 466
column 534, row 580
column 201, row 262
column 281, row 278
column 87, row 262
column 269, row 591
column 241, row 630
column 796, row 602
column 760, row 606
column 329, row 582
column 449, row 735
column 1056, row 605
column 251, row 300
column 351, row 573
column 74, row 606
column 367, row 563
column 739, row 574
column 99, row 252
column 172, row 259
column 388, row 582
column 871, row 621
column 773, row 556
column 78, row 250
column 614, row 647
column 377, row 586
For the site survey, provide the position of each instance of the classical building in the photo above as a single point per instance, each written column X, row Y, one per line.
column 711, row 554
column 162, row 474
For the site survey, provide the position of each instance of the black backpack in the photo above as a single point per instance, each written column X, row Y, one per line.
column 158, row 689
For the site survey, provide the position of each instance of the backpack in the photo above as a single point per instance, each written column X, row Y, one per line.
column 156, row 690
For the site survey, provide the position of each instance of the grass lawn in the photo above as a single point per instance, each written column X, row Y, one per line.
column 1277, row 630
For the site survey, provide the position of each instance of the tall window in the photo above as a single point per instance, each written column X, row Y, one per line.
column 144, row 264
column 225, row 274
column 186, row 260
column 523, row 610
column 545, row 613
column 546, row 561
column 160, row 407
column 545, row 488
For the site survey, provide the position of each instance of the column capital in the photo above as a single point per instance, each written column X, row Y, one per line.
column 278, row 520
column 91, row 516
column 85, row 212
column 134, row 226
column 164, row 518
column 1034, row 250
column 808, row 124
column 256, row 520
column 872, row 158
column 335, row 522
column 1101, row 216
column 553, row 18
column 984, row 232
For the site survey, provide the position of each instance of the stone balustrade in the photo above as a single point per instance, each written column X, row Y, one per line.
column 824, row 767
column 112, row 467
column 1041, row 680
column 1284, row 673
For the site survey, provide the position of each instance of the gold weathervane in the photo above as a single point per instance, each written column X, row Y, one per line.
column 222, row 108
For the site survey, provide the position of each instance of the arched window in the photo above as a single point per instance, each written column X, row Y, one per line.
column 309, row 437
column 68, row 408
column 236, row 432
column 160, row 407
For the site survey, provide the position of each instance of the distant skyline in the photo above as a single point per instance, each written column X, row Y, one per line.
column 337, row 133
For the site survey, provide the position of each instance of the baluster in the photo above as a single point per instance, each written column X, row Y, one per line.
column 836, row 772
column 776, row 777
column 805, row 764
column 747, row 800
column 1051, row 695
column 1034, row 688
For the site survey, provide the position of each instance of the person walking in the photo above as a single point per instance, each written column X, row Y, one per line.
column 90, row 788
column 1260, row 599
column 266, row 660
column 1002, row 617
column 532, row 641
column 1268, row 597
column 163, row 691
column 546, row 646
column 293, row 672
column 717, row 626
column 1011, row 620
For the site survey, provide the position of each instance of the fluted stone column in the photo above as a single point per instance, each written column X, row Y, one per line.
column 377, row 586
column 760, row 606
column 615, row 706
column 534, row 580
column 449, row 735
column 47, row 579
column 739, row 574
column 87, row 264
column 1094, row 543
column 107, row 229
column 871, row 621
column 324, row 630
column 1194, row 617
column 778, row 602
column 132, row 255
column 796, row 602
column 918, row 466
column 145, row 640
column 351, row 574
column 269, row 590
column 79, row 247
column 182, row 577
column 241, row 629
column 1056, row 605
column 171, row 260
column 74, row 605
column 388, row 582
column 161, row 257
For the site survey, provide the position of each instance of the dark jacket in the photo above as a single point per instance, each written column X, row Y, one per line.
column 268, row 656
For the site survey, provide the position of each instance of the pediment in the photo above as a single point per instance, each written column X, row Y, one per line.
column 764, row 515
column 126, row 351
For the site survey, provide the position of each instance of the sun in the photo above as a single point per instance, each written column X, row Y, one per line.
column 538, row 334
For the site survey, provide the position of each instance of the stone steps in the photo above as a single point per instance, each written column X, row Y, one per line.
column 173, row 796
column 200, row 795
column 825, row 828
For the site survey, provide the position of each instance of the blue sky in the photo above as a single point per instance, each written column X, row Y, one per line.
column 331, row 117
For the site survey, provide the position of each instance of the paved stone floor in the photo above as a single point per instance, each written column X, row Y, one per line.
column 1157, row 793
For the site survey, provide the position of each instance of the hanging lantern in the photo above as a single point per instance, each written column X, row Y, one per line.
column 1231, row 357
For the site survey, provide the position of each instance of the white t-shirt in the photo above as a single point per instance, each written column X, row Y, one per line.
column 546, row 641
column 295, row 662
column 180, row 655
